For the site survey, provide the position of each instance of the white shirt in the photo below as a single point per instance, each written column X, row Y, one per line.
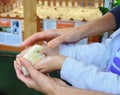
column 82, row 67
column 115, row 58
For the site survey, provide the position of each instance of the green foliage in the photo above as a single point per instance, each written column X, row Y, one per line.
column 103, row 10
column 117, row 2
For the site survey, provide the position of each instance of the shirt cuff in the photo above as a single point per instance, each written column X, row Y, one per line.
column 67, row 50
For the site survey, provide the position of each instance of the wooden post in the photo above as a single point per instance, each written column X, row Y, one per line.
column 48, row 1
column 30, row 18
column 1, row 9
column 86, row 3
column 79, row 2
column 60, row 2
column 43, row 2
column 66, row 2
column 38, row 24
column 93, row 3
column 54, row 2
column 100, row 2
column 37, row 1
column 73, row 2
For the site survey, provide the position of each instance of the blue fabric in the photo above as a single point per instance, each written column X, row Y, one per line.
column 115, row 67
column 116, row 12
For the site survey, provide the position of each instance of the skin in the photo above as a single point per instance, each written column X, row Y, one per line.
column 57, row 36
column 54, row 39
column 54, row 86
column 46, row 84
column 48, row 63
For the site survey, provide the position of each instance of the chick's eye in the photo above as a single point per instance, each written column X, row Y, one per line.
column 38, row 51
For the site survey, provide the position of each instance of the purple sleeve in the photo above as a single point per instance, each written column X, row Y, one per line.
column 116, row 12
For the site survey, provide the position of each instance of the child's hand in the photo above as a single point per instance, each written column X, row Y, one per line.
column 45, row 49
column 50, row 63
column 50, row 51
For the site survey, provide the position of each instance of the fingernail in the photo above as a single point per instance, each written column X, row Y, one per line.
column 35, row 67
column 51, row 45
column 20, row 59
column 14, row 61
column 18, row 55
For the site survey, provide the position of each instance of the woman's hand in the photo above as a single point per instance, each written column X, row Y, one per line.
column 51, row 62
column 54, row 37
column 45, row 49
column 47, row 85
column 37, row 80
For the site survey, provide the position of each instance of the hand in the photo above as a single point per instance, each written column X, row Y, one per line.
column 21, row 54
column 45, row 49
column 54, row 37
column 50, row 63
column 37, row 80
column 46, row 84
column 50, row 51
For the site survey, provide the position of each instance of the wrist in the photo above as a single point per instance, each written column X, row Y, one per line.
column 61, row 61
column 84, row 30
column 53, row 91
column 61, row 90
column 56, row 91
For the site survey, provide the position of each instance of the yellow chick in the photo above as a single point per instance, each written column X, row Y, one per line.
column 34, row 54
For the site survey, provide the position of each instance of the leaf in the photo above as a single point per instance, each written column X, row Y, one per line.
column 115, row 4
column 103, row 10
column 118, row 1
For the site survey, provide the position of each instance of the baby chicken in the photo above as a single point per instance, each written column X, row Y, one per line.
column 34, row 54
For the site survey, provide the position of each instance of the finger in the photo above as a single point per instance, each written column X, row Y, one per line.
column 41, row 36
column 35, row 75
column 47, row 65
column 56, row 42
column 22, row 53
column 18, row 64
column 60, row 82
column 43, row 63
column 27, row 80
column 29, row 67
column 44, row 49
column 18, row 72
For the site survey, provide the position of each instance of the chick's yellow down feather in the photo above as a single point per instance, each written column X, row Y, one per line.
column 34, row 54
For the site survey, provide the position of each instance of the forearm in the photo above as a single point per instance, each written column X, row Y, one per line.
column 81, row 52
column 87, row 76
column 104, row 24
column 75, row 91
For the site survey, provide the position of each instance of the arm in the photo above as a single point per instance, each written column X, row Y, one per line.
column 76, row 51
column 47, row 85
column 116, row 12
column 87, row 76
column 57, row 36
column 81, row 74
column 75, row 91
column 86, row 51
column 103, row 24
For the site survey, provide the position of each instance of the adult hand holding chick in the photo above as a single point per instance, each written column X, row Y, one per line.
column 43, row 58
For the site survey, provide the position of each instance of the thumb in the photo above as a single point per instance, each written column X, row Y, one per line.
column 43, row 63
column 32, row 72
column 29, row 67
